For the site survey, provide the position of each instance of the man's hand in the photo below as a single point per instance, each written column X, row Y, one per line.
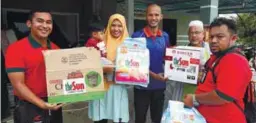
column 17, row 80
column 159, row 76
column 48, row 106
column 188, row 100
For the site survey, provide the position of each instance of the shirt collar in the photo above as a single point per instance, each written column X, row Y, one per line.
column 232, row 48
column 148, row 32
column 35, row 44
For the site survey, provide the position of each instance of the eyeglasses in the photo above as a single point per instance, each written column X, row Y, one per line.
column 196, row 33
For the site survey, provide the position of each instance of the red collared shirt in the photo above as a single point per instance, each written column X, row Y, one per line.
column 26, row 56
column 149, row 33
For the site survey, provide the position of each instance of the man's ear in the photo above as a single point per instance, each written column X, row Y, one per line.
column 29, row 23
column 234, row 37
column 161, row 16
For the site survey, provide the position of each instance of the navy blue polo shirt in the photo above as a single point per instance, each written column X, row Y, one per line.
column 156, row 46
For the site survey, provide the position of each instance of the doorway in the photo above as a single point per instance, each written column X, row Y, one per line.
column 170, row 27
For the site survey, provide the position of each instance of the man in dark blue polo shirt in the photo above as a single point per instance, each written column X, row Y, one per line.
column 153, row 95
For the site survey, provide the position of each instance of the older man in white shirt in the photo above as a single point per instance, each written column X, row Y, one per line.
column 196, row 39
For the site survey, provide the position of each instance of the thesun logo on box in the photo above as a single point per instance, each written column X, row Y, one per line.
column 74, row 86
column 132, row 63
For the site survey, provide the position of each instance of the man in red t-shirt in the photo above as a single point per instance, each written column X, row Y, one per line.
column 26, row 70
column 216, row 101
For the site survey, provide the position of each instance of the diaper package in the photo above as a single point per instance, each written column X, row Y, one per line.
column 132, row 62
column 176, row 113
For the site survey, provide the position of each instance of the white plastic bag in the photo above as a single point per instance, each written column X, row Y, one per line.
column 185, row 115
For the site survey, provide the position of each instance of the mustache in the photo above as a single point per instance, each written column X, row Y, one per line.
column 195, row 40
column 213, row 43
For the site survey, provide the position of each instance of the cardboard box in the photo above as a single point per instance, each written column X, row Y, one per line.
column 74, row 75
column 182, row 65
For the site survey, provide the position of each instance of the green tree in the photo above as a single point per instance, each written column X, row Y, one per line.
column 246, row 24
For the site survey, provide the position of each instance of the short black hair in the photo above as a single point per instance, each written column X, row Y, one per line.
column 32, row 12
column 230, row 23
column 152, row 4
column 95, row 27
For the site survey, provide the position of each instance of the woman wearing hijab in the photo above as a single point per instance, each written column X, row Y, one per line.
column 114, row 106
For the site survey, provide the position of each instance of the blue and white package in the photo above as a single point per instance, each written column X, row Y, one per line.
column 187, row 115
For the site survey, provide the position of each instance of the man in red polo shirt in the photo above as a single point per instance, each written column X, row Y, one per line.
column 220, row 101
column 26, row 70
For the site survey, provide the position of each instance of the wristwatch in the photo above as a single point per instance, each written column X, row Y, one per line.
column 195, row 102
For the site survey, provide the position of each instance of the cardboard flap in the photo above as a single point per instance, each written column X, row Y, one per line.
column 83, row 57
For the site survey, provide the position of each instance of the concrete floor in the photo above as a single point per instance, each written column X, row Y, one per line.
column 82, row 108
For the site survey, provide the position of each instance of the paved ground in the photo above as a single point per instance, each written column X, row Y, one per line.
column 81, row 110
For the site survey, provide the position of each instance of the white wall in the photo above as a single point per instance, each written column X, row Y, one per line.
column 183, row 20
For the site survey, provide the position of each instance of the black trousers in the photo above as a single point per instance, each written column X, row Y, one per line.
column 26, row 112
column 143, row 99
column 103, row 121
